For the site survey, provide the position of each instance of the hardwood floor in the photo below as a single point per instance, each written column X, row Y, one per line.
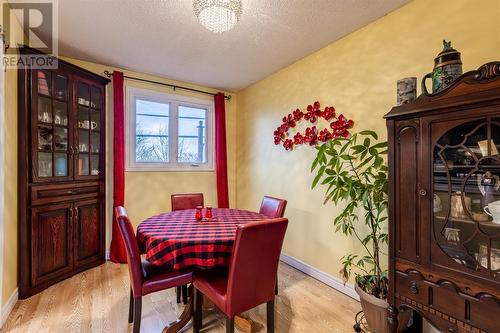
column 97, row 301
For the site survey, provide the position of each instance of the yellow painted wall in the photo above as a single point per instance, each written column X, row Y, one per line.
column 357, row 75
column 148, row 193
column 10, row 185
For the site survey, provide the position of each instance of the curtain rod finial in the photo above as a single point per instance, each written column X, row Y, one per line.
column 108, row 74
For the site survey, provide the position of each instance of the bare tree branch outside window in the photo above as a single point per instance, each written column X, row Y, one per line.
column 151, row 147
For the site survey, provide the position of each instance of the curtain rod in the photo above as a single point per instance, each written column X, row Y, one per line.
column 173, row 86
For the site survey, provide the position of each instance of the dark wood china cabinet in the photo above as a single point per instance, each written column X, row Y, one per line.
column 444, row 212
column 61, row 174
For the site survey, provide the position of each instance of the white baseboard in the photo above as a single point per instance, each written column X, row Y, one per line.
column 326, row 278
column 7, row 308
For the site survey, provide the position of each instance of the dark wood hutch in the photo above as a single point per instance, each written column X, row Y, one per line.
column 61, row 174
column 444, row 167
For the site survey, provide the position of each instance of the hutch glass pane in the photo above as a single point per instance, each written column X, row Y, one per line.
column 95, row 102
column 44, row 110
column 94, row 164
column 61, row 165
column 95, row 120
column 44, row 82
column 83, row 118
column 467, row 195
column 83, row 144
column 60, row 87
column 60, row 138
column 44, row 165
column 95, row 142
column 45, row 137
column 83, row 165
column 60, row 113
column 83, row 94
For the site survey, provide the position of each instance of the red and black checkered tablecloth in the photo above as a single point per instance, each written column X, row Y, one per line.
column 178, row 239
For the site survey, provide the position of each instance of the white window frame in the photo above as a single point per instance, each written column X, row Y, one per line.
column 174, row 100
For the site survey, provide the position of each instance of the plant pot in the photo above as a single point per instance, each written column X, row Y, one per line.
column 375, row 310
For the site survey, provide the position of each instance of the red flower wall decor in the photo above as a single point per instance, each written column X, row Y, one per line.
column 339, row 127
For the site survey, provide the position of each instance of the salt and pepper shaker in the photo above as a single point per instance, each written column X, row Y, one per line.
column 208, row 213
column 199, row 213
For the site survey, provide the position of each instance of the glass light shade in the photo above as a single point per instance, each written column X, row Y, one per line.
column 218, row 15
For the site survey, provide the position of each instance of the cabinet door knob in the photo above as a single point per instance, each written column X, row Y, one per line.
column 422, row 192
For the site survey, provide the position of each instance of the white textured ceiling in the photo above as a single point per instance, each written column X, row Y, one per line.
column 163, row 37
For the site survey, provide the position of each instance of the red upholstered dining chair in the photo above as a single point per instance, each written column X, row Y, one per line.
column 145, row 278
column 182, row 201
column 272, row 207
column 186, row 200
column 251, row 277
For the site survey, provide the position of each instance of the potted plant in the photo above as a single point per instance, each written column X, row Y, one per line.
column 355, row 175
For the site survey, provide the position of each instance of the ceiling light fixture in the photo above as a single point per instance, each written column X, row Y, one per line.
column 218, row 15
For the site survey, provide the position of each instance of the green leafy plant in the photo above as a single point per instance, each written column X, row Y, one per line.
column 354, row 174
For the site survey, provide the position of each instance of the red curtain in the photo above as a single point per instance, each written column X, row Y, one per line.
column 221, row 151
column 117, row 251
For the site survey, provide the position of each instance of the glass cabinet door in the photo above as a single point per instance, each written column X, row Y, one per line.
column 89, row 138
column 466, row 200
column 52, row 140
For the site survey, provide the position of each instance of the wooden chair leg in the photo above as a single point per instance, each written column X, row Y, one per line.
column 185, row 294
column 137, row 314
column 270, row 316
column 229, row 325
column 198, row 311
column 178, row 293
column 131, row 307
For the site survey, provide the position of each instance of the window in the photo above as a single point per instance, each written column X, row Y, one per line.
column 168, row 132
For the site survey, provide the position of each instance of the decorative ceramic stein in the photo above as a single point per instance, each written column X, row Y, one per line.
column 447, row 68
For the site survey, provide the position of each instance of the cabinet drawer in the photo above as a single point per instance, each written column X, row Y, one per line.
column 412, row 285
column 447, row 304
column 46, row 194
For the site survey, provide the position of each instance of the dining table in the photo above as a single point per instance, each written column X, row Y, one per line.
column 178, row 240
